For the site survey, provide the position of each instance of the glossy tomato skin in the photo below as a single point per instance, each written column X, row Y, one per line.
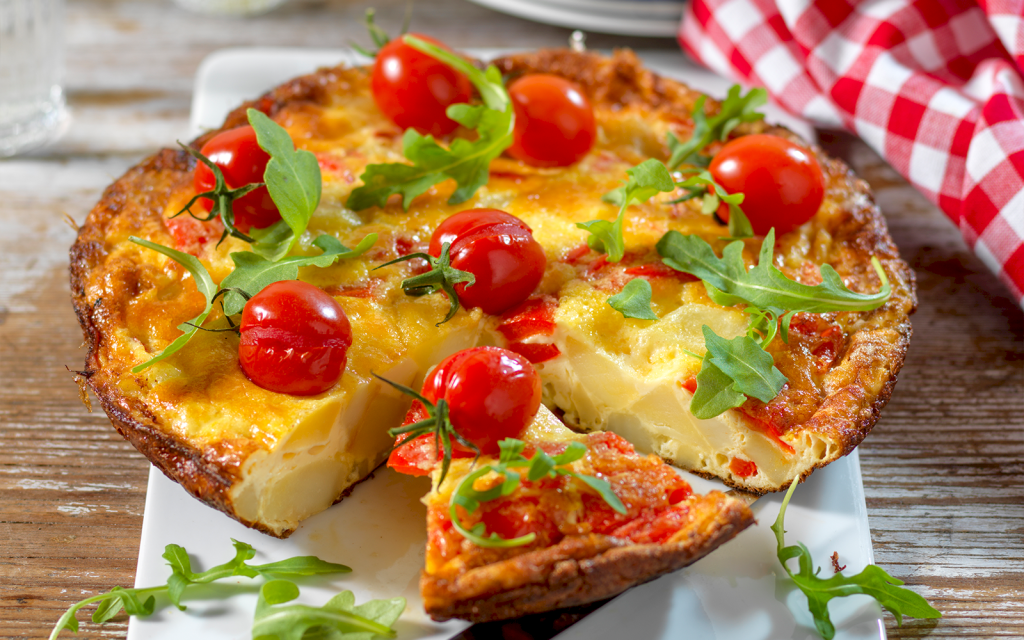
column 496, row 247
column 418, row 456
column 294, row 339
column 555, row 124
column 782, row 182
column 492, row 394
column 242, row 161
column 414, row 90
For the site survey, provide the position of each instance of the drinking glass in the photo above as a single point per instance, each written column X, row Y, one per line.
column 32, row 110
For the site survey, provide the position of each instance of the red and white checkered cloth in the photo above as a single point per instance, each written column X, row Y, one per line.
column 933, row 85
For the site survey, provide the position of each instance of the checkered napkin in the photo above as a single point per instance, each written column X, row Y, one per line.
column 933, row 85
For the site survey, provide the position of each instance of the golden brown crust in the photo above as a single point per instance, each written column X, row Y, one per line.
column 580, row 569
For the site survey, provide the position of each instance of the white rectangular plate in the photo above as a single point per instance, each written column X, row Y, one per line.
column 737, row 593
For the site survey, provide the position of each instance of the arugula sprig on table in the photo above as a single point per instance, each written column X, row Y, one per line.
column 733, row 369
column 541, row 465
column 465, row 161
column 142, row 601
column 341, row 616
column 873, row 581
column 652, row 176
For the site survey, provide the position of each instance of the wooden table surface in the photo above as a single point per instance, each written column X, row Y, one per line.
column 943, row 468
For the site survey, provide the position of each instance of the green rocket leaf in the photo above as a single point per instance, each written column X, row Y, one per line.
column 467, row 162
column 294, row 182
column 253, row 272
column 203, row 282
column 873, row 581
column 634, row 301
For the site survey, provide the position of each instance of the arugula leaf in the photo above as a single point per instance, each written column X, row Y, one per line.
column 205, row 285
column 603, row 489
column 541, row 465
column 340, row 614
column 125, row 599
column 771, row 300
column 572, row 453
column 510, row 450
column 652, row 176
column 730, row 371
column 300, row 566
column 467, row 162
column 646, row 179
column 736, row 108
column 141, row 602
column 293, row 180
column 634, row 301
column 715, row 394
column 739, row 224
column 873, row 581
column 704, row 186
column 764, row 325
column 750, row 367
column 468, row 498
column 764, row 286
column 253, row 272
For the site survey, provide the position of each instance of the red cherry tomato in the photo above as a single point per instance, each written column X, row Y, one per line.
column 554, row 121
column 242, row 161
column 782, row 182
column 492, row 394
column 414, row 90
column 496, row 247
column 294, row 339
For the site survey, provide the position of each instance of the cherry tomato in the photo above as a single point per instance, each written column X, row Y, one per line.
column 782, row 182
column 496, row 247
column 294, row 339
column 492, row 394
column 554, row 121
column 242, row 161
column 413, row 89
